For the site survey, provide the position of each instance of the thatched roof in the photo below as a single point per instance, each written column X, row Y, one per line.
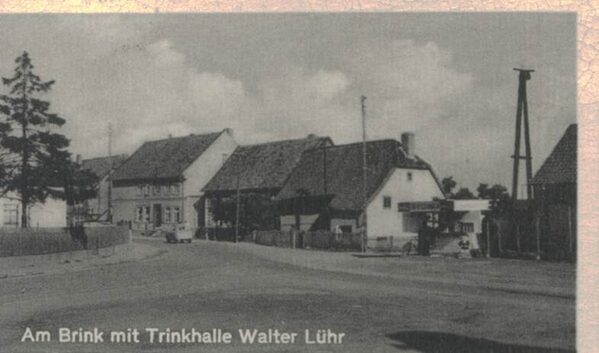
column 560, row 166
column 262, row 166
column 344, row 173
column 164, row 159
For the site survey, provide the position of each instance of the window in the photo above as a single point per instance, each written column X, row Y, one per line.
column 386, row 201
column 140, row 190
column 11, row 215
column 409, row 176
column 166, row 189
column 139, row 214
column 346, row 229
column 175, row 189
column 146, row 190
column 176, row 215
column 156, row 190
column 466, row 227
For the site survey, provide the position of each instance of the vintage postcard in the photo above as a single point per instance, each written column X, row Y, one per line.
column 294, row 181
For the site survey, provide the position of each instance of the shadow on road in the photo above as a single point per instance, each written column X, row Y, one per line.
column 441, row 342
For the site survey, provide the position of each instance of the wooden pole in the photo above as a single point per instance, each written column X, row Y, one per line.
column 364, row 172
column 499, row 245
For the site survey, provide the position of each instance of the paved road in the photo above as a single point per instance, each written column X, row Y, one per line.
column 206, row 285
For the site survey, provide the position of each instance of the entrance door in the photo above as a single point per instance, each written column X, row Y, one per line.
column 157, row 215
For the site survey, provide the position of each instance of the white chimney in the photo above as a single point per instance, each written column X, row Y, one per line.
column 408, row 143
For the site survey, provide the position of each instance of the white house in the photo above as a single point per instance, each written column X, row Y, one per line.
column 51, row 213
column 161, row 182
column 326, row 190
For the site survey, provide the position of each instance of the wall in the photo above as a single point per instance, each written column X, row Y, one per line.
column 384, row 222
column 32, row 241
column 199, row 173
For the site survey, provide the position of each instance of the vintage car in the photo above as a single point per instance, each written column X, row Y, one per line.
column 178, row 233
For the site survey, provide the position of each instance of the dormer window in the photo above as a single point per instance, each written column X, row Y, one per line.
column 409, row 175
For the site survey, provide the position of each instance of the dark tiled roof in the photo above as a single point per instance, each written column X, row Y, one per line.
column 560, row 166
column 101, row 166
column 164, row 159
column 344, row 172
column 262, row 166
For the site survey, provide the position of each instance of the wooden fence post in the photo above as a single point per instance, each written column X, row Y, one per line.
column 499, row 245
column 488, row 239
column 538, row 232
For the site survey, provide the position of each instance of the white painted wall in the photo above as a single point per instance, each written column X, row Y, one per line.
column 388, row 221
column 199, row 173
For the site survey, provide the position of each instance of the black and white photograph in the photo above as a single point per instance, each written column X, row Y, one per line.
column 288, row 182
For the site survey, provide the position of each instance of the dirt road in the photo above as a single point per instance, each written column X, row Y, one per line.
column 380, row 305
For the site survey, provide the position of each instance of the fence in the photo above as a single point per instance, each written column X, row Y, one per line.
column 322, row 240
column 551, row 236
column 39, row 241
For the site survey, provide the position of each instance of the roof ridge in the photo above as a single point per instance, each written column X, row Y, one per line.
column 183, row 137
column 106, row 157
column 280, row 141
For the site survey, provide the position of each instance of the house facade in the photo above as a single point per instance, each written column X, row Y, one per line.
column 326, row 191
column 52, row 213
column 99, row 206
column 161, row 183
column 260, row 170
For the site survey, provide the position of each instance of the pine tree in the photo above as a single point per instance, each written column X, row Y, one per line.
column 33, row 157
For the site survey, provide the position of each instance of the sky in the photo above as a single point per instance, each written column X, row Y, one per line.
column 447, row 77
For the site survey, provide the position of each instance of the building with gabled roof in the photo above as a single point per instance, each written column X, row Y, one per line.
column 556, row 179
column 101, row 167
column 259, row 169
column 161, row 183
column 555, row 202
column 325, row 191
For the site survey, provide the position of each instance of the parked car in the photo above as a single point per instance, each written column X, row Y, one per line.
column 179, row 233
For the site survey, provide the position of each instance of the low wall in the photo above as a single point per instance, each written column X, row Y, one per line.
column 322, row 240
column 40, row 241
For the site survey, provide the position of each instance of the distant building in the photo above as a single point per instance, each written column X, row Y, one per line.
column 325, row 192
column 101, row 167
column 260, row 169
column 161, row 182
column 555, row 182
column 554, row 190
column 52, row 213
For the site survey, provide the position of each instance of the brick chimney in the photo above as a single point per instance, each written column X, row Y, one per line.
column 408, row 143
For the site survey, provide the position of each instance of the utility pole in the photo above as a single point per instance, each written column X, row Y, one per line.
column 364, row 172
column 522, row 109
column 110, row 172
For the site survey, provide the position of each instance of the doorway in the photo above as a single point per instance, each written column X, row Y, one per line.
column 157, row 215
